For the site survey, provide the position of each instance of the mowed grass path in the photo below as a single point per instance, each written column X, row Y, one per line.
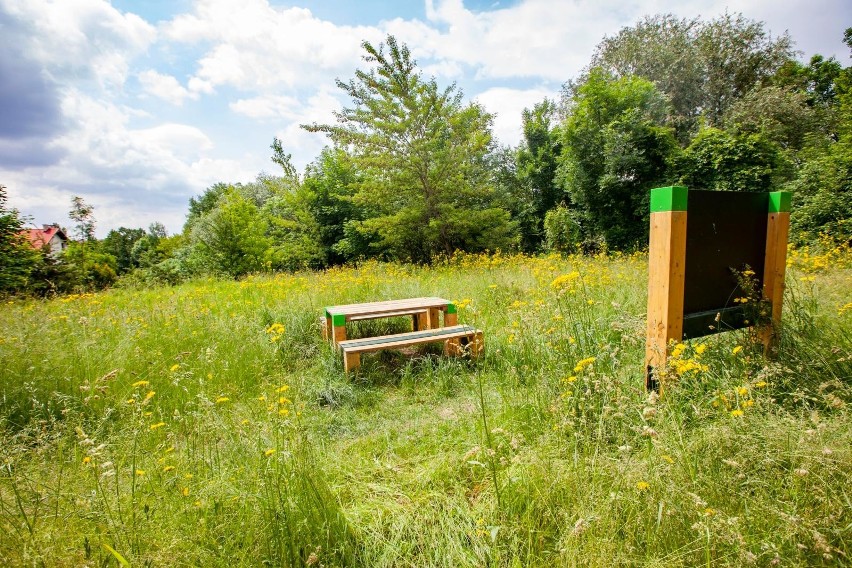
column 208, row 424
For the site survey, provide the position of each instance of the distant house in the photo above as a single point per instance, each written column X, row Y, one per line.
column 51, row 236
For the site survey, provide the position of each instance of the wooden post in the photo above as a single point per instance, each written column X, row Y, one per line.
column 338, row 324
column 451, row 316
column 775, row 264
column 666, row 273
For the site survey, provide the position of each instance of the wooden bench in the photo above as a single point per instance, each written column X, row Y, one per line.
column 458, row 339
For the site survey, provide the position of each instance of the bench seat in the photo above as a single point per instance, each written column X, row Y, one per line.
column 457, row 339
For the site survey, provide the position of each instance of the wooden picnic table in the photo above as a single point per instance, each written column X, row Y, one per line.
column 425, row 314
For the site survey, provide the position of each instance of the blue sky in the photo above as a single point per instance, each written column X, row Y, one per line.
column 139, row 105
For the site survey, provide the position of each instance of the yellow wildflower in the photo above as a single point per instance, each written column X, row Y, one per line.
column 168, row 468
column 222, row 399
column 140, row 472
column 642, row 485
column 174, row 367
column 149, row 396
column 87, row 459
column 736, row 413
column 283, row 388
column 185, row 491
column 737, row 349
column 138, row 384
column 157, row 425
column 269, row 452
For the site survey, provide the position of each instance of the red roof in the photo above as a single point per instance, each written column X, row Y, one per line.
column 40, row 237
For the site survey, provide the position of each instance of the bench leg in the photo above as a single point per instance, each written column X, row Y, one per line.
column 339, row 333
column 326, row 328
column 351, row 361
column 421, row 321
column 434, row 318
column 472, row 346
column 451, row 319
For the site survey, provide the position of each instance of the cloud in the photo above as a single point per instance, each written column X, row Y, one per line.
column 165, row 87
column 508, row 105
column 78, row 38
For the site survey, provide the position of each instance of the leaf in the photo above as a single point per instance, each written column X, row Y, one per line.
column 121, row 560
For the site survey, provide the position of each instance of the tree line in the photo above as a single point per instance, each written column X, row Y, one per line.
column 413, row 172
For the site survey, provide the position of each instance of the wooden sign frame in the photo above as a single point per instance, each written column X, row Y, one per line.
column 667, row 269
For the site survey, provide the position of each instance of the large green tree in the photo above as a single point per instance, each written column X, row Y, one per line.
column 702, row 66
column 423, row 155
column 615, row 150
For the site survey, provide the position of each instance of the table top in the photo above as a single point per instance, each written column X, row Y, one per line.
column 387, row 306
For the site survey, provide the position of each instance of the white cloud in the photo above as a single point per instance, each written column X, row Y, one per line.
column 508, row 105
column 165, row 87
column 74, row 37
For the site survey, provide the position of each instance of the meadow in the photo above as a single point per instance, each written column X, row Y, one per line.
column 208, row 424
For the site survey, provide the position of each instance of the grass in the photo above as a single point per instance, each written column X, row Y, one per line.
column 208, row 424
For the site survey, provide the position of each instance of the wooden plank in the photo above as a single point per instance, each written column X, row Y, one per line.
column 388, row 306
column 666, row 273
column 774, row 273
column 406, row 339
column 399, row 313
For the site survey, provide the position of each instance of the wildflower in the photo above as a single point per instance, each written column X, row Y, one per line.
column 174, row 367
column 222, row 399
column 583, row 363
column 157, row 425
column 760, row 385
column 736, row 413
column 185, row 491
column 262, row 398
column 742, row 391
column 188, row 476
column 138, row 384
column 140, row 472
column 570, row 379
column 130, row 401
column 284, row 412
column 700, row 349
column 87, row 459
column 169, row 450
column 168, row 468
column 667, row 458
column 149, row 396
column 283, row 400
column 269, row 452
column 737, row 349
column 709, row 512
column 642, row 485
column 283, row 388
column 244, row 421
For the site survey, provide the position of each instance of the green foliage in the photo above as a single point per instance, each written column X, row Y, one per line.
column 17, row 259
column 615, row 150
column 822, row 195
column 231, row 238
column 729, row 162
column 537, row 163
column 703, row 66
column 423, row 157
column 120, row 243
column 88, row 267
column 562, row 230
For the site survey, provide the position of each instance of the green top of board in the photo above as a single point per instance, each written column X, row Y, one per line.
column 668, row 199
column 779, row 202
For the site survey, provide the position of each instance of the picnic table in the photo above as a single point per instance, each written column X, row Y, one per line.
column 425, row 314
column 427, row 327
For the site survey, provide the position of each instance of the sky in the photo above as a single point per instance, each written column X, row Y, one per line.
column 137, row 106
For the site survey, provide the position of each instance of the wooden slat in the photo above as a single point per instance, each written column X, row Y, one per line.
column 774, row 273
column 399, row 313
column 388, row 306
column 406, row 339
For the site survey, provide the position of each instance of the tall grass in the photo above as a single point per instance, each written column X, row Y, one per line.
column 209, row 424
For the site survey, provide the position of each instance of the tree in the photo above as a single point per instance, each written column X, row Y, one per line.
column 537, row 162
column 120, row 244
column 83, row 214
column 231, row 238
column 724, row 161
column 704, row 67
column 17, row 258
column 615, row 150
column 423, row 156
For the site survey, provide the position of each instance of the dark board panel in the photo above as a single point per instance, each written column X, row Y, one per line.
column 725, row 232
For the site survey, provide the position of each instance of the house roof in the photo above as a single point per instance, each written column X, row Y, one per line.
column 40, row 237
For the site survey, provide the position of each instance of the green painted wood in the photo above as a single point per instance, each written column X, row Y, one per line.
column 779, row 201
column 338, row 320
column 451, row 308
column 672, row 198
